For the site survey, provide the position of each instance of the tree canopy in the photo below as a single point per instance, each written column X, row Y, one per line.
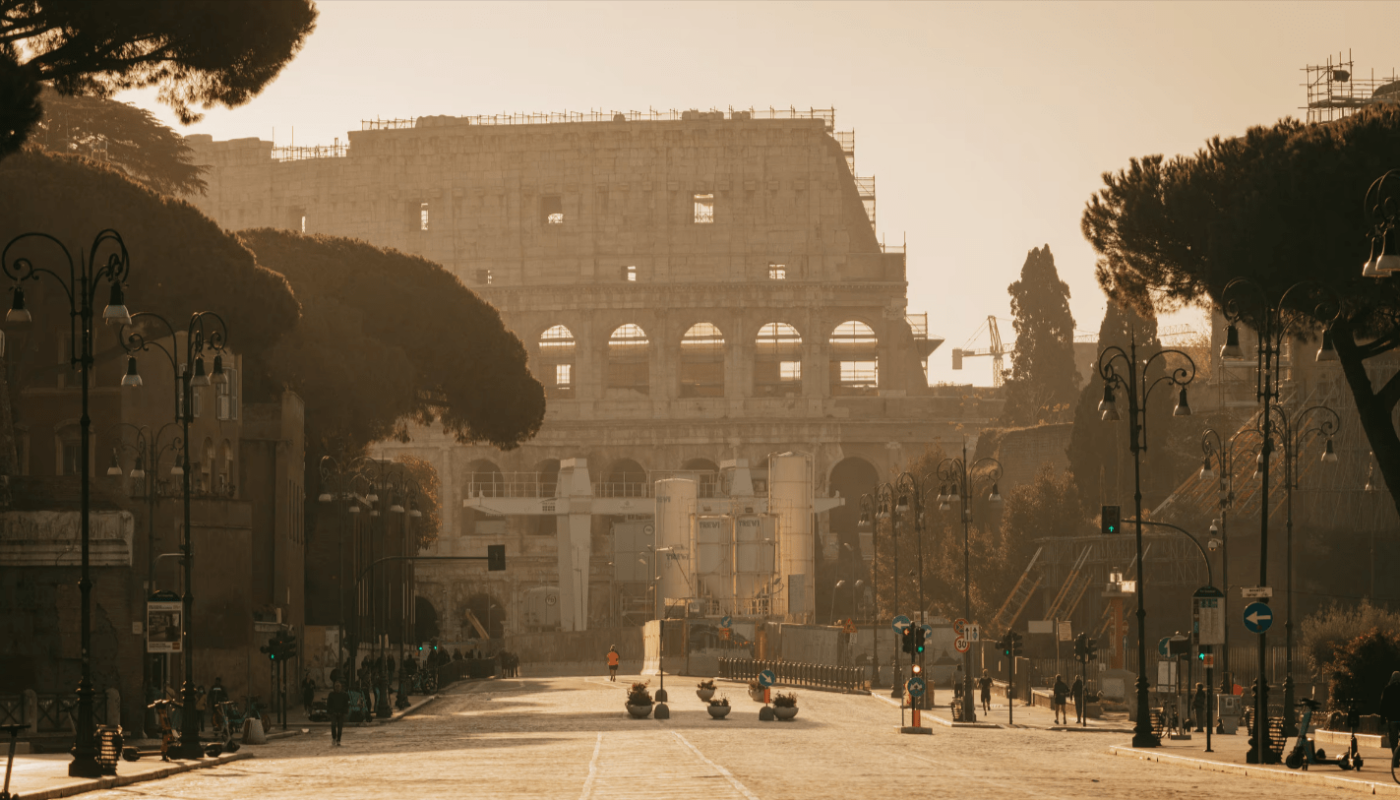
column 1280, row 204
column 390, row 337
column 196, row 52
column 1041, row 386
column 122, row 135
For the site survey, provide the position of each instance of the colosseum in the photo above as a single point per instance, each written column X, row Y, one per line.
column 697, row 291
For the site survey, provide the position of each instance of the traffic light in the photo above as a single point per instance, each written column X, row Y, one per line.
column 916, row 670
column 1005, row 644
column 1109, row 519
column 1091, row 649
column 288, row 646
column 1015, row 643
column 908, row 643
column 919, row 640
column 268, row 650
column 1081, row 647
column 495, row 557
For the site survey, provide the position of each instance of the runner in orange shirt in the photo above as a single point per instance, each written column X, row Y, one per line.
column 613, row 658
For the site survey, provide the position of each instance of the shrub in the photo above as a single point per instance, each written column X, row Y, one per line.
column 709, row 684
column 1324, row 633
column 785, row 700
column 638, row 695
column 719, row 701
column 1361, row 668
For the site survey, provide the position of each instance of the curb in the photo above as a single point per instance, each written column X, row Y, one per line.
column 1295, row 777
column 112, row 782
column 941, row 721
column 1079, row 729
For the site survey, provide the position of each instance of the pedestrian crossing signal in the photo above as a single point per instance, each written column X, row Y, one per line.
column 919, row 640
column 1110, row 518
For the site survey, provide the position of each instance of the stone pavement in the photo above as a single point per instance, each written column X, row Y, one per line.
column 45, row 775
column 570, row 738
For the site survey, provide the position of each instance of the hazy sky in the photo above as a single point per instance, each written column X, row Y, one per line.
column 987, row 125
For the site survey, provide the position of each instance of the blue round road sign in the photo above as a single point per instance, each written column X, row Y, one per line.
column 767, row 678
column 900, row 623
column 1258, row 617
column 916, row 687
column 724, row 622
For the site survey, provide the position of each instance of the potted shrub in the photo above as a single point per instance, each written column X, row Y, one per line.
column 639, row 701
column 719, row 709
column 705, row 690
column 755, row 691
column 785, row 706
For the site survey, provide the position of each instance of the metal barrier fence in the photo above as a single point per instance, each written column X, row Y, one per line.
column 791, row 673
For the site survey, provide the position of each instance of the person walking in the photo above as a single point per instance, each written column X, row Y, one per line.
column 1076, row 691
column 1390, row 712
column 613, row 659
column 1198, row 707
column 308, row 693
column 1058, row 699
column 984, row 688
column 337, row 706
column 218, row 695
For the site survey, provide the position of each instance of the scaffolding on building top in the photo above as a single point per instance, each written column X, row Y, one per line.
column 828, row 115
column 1335, row 91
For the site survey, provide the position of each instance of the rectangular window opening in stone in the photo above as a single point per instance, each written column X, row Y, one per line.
column 226, row 397
column 790, row 371
column 777, row 365
column 859, row 374
column 70, row 455
column 297, row 219
column 483, row 277
column 704, row 209
column 552, row 209
column 564, row 375
column 629, row 274
column 423, row 216
column 777, row 272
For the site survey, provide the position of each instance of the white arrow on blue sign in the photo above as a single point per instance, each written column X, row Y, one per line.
column 767, row 678
column 900, row 623
column 1258, row 617
column 724, row 622
column 916, row 687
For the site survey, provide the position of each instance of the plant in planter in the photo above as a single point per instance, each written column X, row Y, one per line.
column 756, row 691
column 719, row 708
column 639, row 701
column 785, row 705
column 705, row 690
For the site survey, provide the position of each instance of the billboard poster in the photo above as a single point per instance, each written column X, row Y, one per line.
column 164, row 624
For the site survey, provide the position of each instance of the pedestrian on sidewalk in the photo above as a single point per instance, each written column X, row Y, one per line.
column 200, row 705
column 1198, row 707
column 1077, row 692
column 984, row 687
column 613, row 659
column 308, row 693
column 1058, row 698
column 337, row 706
column 1390, row 711
column 957, row 684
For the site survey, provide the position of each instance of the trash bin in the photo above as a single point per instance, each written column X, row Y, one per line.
column 109, row 748
column 1231, row 708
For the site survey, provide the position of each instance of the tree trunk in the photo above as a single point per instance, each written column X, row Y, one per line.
column 1375, row 409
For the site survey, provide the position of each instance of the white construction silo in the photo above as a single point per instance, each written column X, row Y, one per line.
column 790, row 500
column 675, row 506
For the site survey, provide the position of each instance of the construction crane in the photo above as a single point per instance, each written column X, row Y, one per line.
column 997, row 351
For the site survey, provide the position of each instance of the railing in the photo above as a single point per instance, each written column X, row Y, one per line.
column 790, row 673
column 918, row 323
column 828, row 115
column 292, row 153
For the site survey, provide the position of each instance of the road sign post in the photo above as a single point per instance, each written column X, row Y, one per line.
column 1258, row 617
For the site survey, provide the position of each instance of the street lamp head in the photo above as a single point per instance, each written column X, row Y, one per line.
column 1107, row 398
column 864, row 526
column 132, row 377
column 18, row 314
column 1213, row 544
column 841, row 584
column 1329, row 456
column 200, row 378
column 1384, row 263
column 1327, row 351
column 415, row 513
column 179, row 469
column 324, row 497
column 395, row 508
column 1207, row 470
column 903, row 506
column 995, row 496
column 354, row 509
column 219, row 377
column 139, row 471
column 1231, row 348
column 115, row 313
column 1183, row 408
column 1258, row 466
column 115, row 469
column 944, row 506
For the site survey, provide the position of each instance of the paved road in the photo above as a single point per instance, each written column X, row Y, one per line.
column 569, row 738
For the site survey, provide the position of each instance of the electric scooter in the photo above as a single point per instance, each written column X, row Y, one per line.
column 1305, row 754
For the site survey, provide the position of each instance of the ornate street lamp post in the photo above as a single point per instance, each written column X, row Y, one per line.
column 1274, row 321
column 1121, row 368
column 961, row 481
column 187, row 379
column 866, row 525
column 882, row 501
column 106, row 260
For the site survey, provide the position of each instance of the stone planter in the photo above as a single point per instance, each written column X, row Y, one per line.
column 756, row 695
column 705, row 694
column 785, row 713
column 639, row 712
column 718, row 712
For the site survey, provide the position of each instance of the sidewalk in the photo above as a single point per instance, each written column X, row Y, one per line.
column 1229, row 757
column 1026, row 716
column 44, row 776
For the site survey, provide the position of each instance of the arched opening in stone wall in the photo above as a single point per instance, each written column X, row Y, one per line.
column 777, row 367
column 624, row 478
column 843, row 583
column 557, row 348
column 425, row 620
column 706, row 475
column 855, row 361
column 484, row 479
column 490, row 613
column 629, row 351
column 702, row 361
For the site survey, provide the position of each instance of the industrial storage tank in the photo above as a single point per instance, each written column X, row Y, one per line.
column 713, row 546
column 754, row 569
column 790, row 500
column 675, row 506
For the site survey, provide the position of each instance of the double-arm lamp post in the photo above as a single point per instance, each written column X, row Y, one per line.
column 875, row 508
column 106, row 260
column 1121, row 370
column 1219, row 450
column 206, row 331
column 337, row 483
column 961, row 482
column 1274, row 321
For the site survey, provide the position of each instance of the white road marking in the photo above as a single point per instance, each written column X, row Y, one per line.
column 729, row 776
column 592, row 769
